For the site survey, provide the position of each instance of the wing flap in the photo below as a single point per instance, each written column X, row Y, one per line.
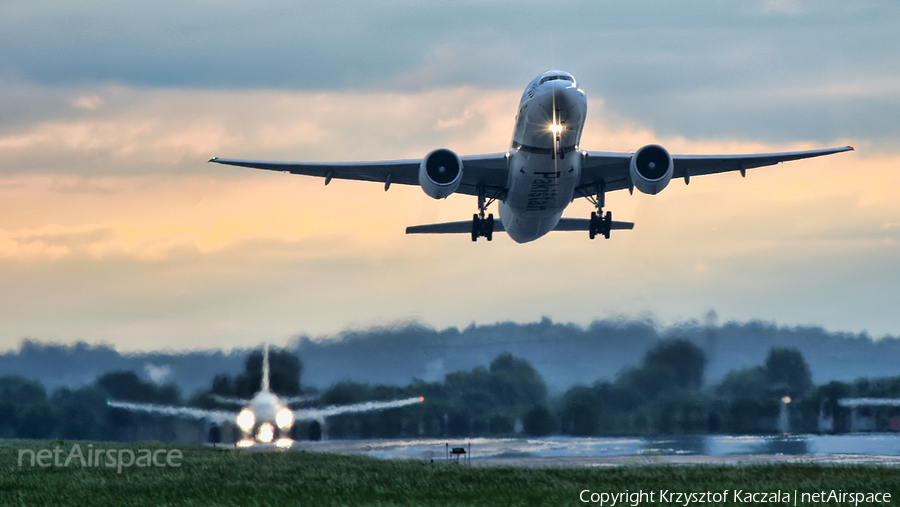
column 606, row 168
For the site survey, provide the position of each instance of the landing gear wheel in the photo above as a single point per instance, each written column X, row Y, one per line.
column 482, row 227
column 600, row 225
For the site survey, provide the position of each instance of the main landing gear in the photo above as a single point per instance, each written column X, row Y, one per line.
column 482, row 227
column 600, row 224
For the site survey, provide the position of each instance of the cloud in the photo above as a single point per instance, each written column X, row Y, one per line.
column 824, row 72
column 115, row 228
column 783, row 6
column 130, row 237
column 153, row 131
column 91, row 103
column 158, row 374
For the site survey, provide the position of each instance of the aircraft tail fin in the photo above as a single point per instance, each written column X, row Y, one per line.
column 265, row 367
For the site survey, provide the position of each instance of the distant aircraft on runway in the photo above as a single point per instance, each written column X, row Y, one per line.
column 543, row 171
column 266, row 417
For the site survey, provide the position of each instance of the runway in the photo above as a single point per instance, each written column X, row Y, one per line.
column 667, row 460
column 867, row 449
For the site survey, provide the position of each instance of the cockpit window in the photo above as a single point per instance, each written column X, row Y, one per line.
column 554, row 78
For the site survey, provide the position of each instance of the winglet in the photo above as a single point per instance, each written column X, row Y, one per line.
column 212, row 159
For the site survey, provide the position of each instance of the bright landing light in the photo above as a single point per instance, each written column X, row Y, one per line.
column 284, row 419
column 556, row 128
column 266, row 433
column 245, row 420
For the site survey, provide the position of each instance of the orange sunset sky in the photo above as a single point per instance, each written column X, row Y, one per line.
column 113, row 228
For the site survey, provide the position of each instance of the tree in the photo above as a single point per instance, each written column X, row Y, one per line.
column 787, row 370
column 79, row 411
column 747, row 383
column 20, row 391
column 502, row 392
column 682, row 360
column 500, row 424
column 751, row 397
column 516, row 382
column 221, row 385
column 539, row 421
column 345, row 393
column 8, row 419
column 662, row 394
column 36, row 421
column 127, row 386
column 580, row 412
column 671, row 364
column 284, row 374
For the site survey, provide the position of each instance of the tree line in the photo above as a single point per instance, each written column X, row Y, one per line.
column 664, row 394
column 564, row 354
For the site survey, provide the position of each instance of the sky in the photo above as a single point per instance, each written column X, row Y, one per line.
column 114, row 228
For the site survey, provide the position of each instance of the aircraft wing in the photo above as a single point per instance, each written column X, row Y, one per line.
column 491, row 171
column 301, row 399
column 312, row 414
column 227, row 400
column 216, row 416
column 612, row 169
column 488, row 171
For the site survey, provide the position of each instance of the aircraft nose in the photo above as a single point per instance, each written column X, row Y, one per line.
column 564, row 94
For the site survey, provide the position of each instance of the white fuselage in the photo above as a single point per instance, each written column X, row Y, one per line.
column 264, row 417
column 265, row 406
column 544, row 159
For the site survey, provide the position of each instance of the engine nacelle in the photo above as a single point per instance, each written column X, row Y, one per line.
column 651, row 168
column 440, row 173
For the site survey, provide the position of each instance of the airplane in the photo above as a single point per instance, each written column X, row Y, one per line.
column 543, row 171
column 266, row 417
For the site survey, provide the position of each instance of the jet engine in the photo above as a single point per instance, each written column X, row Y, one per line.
column 651, row 168
column 440, row 173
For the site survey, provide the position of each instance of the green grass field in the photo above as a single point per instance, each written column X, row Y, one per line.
column 208, row 476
